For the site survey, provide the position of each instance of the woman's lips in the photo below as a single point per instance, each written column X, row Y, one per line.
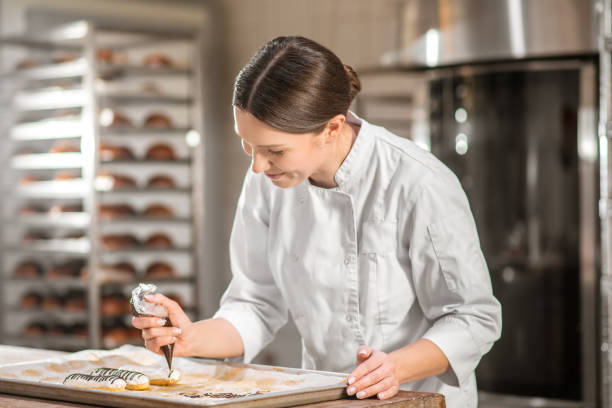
column 275, row 176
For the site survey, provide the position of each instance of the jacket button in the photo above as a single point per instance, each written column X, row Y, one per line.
column 349, row 318
column 347, row 261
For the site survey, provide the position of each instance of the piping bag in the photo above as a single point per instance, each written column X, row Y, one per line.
column 140, row 307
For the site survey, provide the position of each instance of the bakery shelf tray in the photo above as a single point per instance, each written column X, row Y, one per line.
column 207, row 383
column 50, row 99
column 54, row 189
column 116, row 70
column 65, row 246
column 47, row 129
column 142, row 132
column 48, row 161
column 52, row 71
column 75, row 219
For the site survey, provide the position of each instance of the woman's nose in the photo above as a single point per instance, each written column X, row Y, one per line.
column 259, row 163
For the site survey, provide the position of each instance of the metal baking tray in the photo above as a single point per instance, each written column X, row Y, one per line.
column 267, row 386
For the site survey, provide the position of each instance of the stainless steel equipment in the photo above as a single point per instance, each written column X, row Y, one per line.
column 511, row 92
column 444, row 32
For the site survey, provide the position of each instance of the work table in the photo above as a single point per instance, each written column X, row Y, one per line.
column 12, row 354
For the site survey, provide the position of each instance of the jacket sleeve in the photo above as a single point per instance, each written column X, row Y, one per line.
column 450, row 275
column 252, row 302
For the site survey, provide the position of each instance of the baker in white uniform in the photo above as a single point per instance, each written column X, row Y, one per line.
column 366, row 240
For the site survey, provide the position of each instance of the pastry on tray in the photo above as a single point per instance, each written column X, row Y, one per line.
column 112, row 118
column 114, row 305
column 160, row 270
column 35, row 329
column 158, row 211
column 66, row 175
column 110, row 152
column 29, row 179
column 64, row 57
column 100, row 382
column 117, row 271
column 32, row 237
column 160, row 151
column 110, row 56
column 30, row 210
column 118, row 241
column 159, row 241
column 30, row 300
column 27, row 269
column 134, row 380
column 78, row 330
column 65, row 147
column 27, row 63
column 157, row 60
column 75, row 302
column 52, row 303
column 158, row 120
column 161, row 181
column 65, row 208
column 70, row 269
column 115, row 211
column 107, row 181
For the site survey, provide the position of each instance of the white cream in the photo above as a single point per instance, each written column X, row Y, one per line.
column 131, row 377
column 108, row 382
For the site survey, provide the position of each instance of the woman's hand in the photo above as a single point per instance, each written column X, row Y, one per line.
column 155, row 335
column 375, row 375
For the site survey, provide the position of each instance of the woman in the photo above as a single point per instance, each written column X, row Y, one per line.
column 366, row 239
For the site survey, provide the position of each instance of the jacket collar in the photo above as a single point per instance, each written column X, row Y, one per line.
column 357, row 159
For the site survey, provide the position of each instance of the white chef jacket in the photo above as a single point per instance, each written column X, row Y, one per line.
column 388, row 257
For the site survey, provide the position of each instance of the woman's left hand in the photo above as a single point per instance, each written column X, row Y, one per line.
column 375, row 375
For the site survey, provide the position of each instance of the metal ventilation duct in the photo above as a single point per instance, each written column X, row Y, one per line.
column 447, row 32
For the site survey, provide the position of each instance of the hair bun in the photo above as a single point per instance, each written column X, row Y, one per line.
column 354, row 79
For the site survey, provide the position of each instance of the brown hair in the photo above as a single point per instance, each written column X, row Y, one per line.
column 295, row 85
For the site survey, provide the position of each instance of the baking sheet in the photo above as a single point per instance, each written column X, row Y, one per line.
column 203, row 383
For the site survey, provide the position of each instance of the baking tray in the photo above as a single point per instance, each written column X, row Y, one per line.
column 250, row 385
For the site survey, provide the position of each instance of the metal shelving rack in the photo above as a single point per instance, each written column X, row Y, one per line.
column 84, row 39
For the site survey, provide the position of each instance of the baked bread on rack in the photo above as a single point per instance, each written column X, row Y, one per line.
column 109, row 152
column 115, row 211
column 114, row 242
column 158, row 120
column 159, row 241
column 161, row 181
column 160, row 270
column 28, row 269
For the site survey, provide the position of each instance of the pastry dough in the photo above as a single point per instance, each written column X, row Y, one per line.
column 102, row 382
column 134, row 380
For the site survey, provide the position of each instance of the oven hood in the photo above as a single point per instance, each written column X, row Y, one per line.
column 434, row 33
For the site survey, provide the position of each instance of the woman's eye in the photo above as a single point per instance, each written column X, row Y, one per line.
column 277, row 152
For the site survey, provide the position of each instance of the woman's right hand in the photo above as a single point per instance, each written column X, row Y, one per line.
column 155, row 335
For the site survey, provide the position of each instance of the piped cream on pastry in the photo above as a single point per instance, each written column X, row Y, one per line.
column 134, row 380
column 101, row 382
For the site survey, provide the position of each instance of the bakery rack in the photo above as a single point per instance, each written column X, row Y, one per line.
column 82, row 93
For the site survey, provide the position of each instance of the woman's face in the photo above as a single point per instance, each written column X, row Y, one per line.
column 286, row 158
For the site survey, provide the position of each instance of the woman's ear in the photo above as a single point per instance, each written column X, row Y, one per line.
column 334, row 128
